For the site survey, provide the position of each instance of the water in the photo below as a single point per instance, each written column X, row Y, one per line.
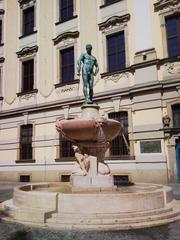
column 101, row 145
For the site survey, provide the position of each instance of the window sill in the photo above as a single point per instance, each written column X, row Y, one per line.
column 28, row 92
column 26, row 35
column 120, row 157
column 106, row 5
column 25, row 161
column 65, row 20
column 67, row 83
column 170, row 59
column 65, row 159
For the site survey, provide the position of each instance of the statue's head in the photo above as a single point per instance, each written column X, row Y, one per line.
column 88, row 48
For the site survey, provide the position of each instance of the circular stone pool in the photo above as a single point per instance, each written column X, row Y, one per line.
column 56, row 205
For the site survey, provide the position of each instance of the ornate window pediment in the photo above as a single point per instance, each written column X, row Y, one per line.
column 163, row 4
column 64, row 36
column 27, row 51
column 114, row 21
column 23, row 2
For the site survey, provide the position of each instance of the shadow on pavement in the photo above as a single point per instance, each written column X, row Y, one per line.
column 21, row 235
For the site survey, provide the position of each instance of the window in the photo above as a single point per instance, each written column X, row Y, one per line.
column 108, row 2
column 27, row 75
column 28, row 21
column 116, row 52
column 0, row 81
column 26, row 132
column 173, row 35
column 24, row 178
column 176, row 115
column 67, row 65
column 1, row 41
column 66, row 9
column 65, row 148
column 120, row 145
column 121, row 180
column 65, row 178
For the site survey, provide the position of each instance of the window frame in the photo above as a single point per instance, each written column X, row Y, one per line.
column 2, row 28
column 24, row 6
column 28, row 30
column 62, row 45
column 120, row 138
column 117, row 53
column 120, row 24
column 68, row 153
column 61, row 19
column 1, row 81
column 175, row 36
column 66, row 66
column 28, row 142
column 23, row 57
column 23, row 90
column 173, row 115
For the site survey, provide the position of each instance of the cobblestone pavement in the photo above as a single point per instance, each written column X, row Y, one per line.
column 12, row 231
column 19, row 232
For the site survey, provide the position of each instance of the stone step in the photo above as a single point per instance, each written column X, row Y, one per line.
column 115, row 215
column 107, row 221
column 117, row 226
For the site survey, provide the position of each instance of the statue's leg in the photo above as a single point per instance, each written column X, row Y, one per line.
column 91, row 81
column 85, row 81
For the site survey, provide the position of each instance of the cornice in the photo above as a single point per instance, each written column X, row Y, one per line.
column 161, row 4
column 27, row 51
column 114, row 20
column 65, row 36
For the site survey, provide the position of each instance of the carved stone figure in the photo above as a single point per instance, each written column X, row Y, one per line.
column 166, row 121
column 88, row 73
column 82, row 166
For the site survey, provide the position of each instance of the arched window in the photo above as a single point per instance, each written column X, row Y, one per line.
column 176, row 115
column 120, row 145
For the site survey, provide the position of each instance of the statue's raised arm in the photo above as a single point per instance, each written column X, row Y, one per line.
column 88, row 73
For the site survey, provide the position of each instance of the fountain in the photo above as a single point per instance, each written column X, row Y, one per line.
column 91, row 200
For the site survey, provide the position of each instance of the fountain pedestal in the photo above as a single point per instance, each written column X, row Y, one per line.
column 93, row 181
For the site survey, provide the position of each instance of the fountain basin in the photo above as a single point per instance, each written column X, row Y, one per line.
column 140, row 205
column 88, row 129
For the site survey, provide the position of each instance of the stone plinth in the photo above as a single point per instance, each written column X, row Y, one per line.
column 95, row 183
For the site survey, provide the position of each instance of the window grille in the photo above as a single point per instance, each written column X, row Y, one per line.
column 120, row 145
column 26, row 132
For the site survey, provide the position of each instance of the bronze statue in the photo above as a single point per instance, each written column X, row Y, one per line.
column 88, row 73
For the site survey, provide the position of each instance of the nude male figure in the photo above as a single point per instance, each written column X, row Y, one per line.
column 88, row 73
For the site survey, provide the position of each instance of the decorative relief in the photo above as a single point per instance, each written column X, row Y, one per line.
column 172, row 68
column 164, row 4
column 66, row 38
column 114, row 21
column 27, row 51
column 27, row 96
column 67, row 89
column 117, row 77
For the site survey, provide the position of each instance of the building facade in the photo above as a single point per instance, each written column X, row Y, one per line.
column 137, row 45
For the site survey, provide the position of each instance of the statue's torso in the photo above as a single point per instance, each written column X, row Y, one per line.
column 89, row 62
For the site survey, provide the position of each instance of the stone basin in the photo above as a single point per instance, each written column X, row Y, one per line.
column 80, row 130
